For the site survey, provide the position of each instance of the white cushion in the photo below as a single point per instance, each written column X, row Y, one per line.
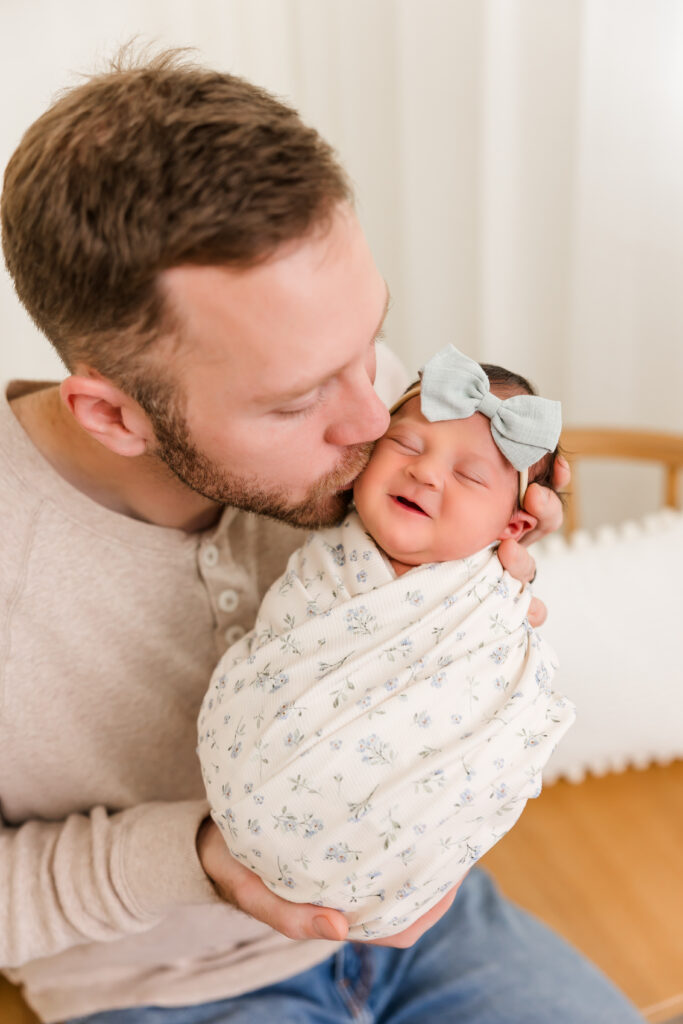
column 615, row 600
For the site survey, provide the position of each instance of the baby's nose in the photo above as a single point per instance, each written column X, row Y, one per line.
column 425, row 471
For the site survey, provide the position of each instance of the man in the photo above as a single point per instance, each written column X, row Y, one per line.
column 190, row 249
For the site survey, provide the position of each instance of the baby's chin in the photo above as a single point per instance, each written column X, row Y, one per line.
column 412, row 558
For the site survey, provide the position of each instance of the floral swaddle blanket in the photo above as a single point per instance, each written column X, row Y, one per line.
column 373, row 736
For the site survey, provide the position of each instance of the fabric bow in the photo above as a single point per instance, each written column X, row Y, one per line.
column 454, row 387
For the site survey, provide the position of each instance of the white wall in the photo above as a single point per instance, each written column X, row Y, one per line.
column 518, row 166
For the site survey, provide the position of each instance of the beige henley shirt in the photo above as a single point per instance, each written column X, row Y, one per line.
column 109, row 631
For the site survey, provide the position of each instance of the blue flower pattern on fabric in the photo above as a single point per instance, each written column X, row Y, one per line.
column 378, row 727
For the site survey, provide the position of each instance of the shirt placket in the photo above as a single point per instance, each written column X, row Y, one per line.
column 230, row 590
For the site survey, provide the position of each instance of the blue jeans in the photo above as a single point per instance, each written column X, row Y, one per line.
column 484, row 962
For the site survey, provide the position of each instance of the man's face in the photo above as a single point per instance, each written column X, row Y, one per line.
column 436, row 491
column 277, row 365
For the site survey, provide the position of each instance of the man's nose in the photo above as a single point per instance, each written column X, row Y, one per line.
column 364, row 417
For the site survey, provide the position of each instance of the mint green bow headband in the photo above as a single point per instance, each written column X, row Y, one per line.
column 454, row 387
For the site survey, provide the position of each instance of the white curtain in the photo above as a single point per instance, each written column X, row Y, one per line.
column 518, row 164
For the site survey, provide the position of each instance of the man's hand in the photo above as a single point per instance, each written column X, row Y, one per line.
column 404, row 939
column 546, row 507
column 243, row 889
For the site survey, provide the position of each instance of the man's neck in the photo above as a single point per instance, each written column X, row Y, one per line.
column 141, row 487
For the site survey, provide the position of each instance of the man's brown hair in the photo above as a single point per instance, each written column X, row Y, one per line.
column 142, row 168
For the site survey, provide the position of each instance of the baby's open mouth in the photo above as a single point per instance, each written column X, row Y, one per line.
column 410, row 505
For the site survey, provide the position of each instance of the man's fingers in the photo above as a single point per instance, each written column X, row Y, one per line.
column 562, row 474
column 517, row 560
column 295, row 920
column 239, row 886
column 537, row 613
column 408, row 937
column 546, row 507
column 521, row 565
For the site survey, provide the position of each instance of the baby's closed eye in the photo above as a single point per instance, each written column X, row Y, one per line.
column 470, row 477
column 408, row 444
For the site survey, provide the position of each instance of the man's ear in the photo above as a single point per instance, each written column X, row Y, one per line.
column 520, row 523
column 107, row 413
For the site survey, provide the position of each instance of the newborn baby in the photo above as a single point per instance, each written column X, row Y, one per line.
column 385, row 721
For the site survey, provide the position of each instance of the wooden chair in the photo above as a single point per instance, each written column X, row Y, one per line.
column 640, row 445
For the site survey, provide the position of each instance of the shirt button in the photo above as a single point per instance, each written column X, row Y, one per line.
column 233, row 634
column 209, row 555
column 228, row 600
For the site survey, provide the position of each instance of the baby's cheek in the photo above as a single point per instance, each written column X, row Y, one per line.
column 363, row 490
column 369, row 494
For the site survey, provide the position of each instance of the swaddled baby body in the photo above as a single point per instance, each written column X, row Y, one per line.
column 385, row 721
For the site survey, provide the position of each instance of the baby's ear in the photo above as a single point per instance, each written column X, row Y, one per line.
column 521, row 522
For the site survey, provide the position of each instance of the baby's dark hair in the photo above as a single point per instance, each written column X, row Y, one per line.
column 504, row 383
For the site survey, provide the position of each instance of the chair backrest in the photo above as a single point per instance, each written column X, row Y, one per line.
column 642, row 445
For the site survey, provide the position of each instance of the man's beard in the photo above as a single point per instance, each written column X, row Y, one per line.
column 324, row 504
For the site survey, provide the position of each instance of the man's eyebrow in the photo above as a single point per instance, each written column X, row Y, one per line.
column 305, row 386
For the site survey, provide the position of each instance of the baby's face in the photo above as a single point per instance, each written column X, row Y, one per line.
column 437, row 491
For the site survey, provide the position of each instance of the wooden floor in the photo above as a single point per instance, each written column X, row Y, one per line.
column 13, row 1009
column 602, row 863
